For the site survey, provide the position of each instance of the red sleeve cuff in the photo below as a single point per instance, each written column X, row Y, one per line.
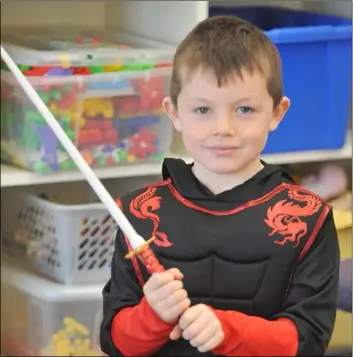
column 254, row 336
column 139, row 331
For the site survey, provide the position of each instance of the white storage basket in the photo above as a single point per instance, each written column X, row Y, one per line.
column 69, row 243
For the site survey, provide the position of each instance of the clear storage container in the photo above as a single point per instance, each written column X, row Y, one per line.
column 64, row 51
column 107, row 99
column 43, row 318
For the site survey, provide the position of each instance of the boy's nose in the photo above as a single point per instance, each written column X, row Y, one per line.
column 225, row 126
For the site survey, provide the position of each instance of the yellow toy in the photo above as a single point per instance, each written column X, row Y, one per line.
column 96, row 106
column 73, row 112
column 65, row 61
column 130, row 158
column 114, row 68
column 73, row 340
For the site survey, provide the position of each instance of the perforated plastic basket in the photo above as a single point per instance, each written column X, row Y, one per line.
column 69, row 243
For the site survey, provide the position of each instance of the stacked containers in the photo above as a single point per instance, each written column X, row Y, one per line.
column 105, row 90
column 108, row 100
column 58, row 251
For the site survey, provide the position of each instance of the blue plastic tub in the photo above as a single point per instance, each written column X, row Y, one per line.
column 316, row 53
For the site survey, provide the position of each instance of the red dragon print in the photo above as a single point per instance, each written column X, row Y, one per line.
column 143, row 206
column 284, row 217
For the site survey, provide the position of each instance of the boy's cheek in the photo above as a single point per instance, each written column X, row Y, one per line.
column 193, row 140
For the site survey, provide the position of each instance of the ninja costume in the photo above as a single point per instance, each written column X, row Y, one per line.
column 263, row 255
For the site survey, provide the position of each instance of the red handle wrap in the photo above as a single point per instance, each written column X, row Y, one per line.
column 150, row 261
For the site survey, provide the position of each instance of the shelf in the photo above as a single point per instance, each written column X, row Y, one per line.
column 12, row 176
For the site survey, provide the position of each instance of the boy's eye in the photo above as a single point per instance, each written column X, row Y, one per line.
column 245, row 110
column 202, row 110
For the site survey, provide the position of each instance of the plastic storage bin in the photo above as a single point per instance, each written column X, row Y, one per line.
column 71, row 243
column 316, row 53
column 107, row 98
column 65, row 51
column 42, row 318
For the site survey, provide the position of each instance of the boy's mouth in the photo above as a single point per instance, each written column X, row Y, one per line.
column 223, row 150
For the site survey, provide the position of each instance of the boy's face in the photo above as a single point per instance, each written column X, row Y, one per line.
column 225, row 128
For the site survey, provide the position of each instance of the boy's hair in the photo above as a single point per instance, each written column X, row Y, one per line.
column 228, row 45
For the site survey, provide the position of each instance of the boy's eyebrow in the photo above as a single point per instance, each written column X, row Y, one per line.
column 198, row 99
column 244, row 99
column 239, row 100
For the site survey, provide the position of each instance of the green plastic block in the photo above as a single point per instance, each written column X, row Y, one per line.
column 34, row 115
column 101, row 161
column 56, row 94
column 122, row 155
column 65, row 122
column 41, row 167
column 67, row 165
column 28, row 138
column 23, row 67
column 96, row 69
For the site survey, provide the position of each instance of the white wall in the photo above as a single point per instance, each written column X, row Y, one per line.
column 168, row 21
column 334, row 7
column 52, row 13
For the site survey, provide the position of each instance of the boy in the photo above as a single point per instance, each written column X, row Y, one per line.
column 253, row 259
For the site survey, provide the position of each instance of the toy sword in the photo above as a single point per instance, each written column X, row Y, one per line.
column 139, row 246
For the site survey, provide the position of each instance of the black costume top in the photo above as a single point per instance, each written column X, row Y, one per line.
column 265, row 248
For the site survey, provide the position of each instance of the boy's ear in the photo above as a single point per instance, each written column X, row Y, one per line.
column 279, row 112
column 172, row 112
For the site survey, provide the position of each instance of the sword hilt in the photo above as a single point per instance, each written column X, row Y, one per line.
column 147, row 257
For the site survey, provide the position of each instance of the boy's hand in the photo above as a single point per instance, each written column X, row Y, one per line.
column 165, row 294
column 201, row 327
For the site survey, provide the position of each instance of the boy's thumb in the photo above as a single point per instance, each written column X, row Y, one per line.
column 178, row 275
column 176, row 333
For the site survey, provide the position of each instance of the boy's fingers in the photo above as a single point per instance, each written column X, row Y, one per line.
column 160, row 279
column 173, row 313
column 176, row 333
column 170, row 294
column 190, row 316
column 176, row 273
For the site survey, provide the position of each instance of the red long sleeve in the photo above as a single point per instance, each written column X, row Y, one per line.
column 254, row 336
column 139, row 331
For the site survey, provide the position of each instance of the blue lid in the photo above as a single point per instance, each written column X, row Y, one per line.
column 310, row 34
